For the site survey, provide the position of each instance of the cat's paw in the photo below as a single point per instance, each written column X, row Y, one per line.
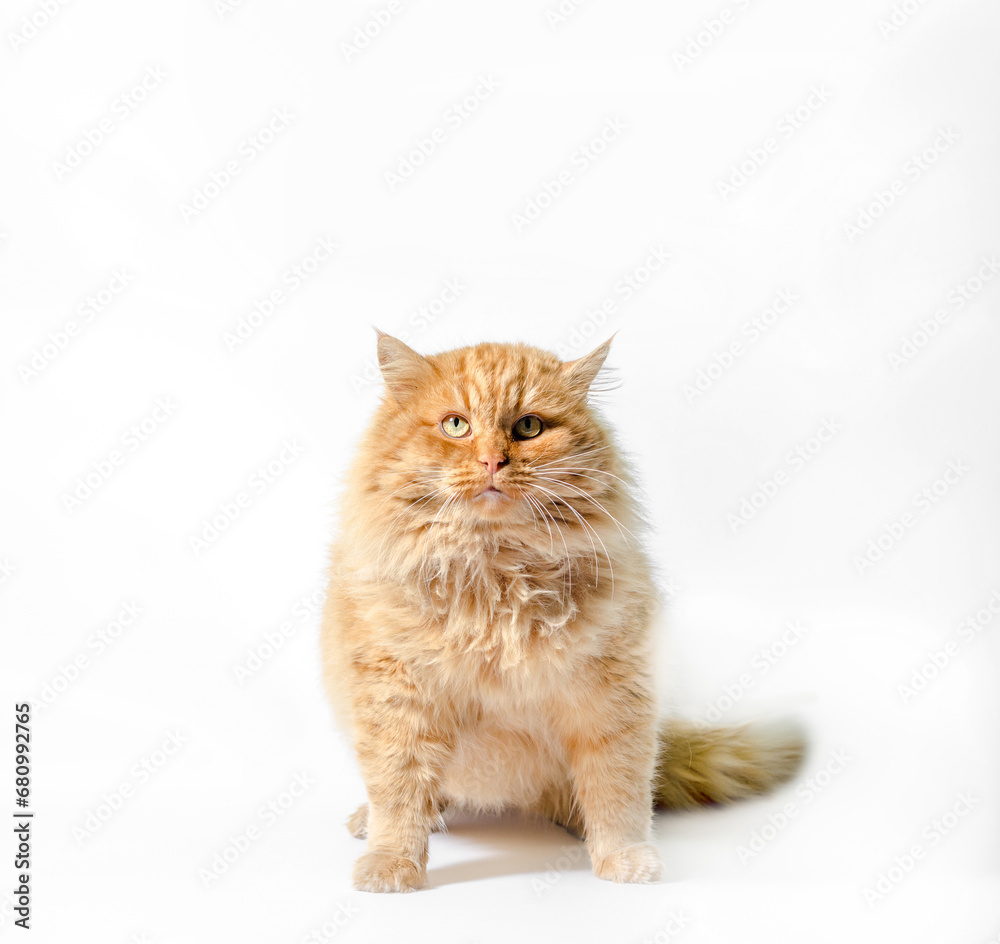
column 638, row 863
column 385, row 872
column 357, row 825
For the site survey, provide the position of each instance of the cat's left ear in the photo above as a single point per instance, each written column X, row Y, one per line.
column 582, row 372
column 403, row 369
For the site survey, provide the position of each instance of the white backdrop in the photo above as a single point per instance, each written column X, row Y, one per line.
column 787, row 211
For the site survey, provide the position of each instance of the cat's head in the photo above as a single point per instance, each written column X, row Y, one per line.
column 494, row 433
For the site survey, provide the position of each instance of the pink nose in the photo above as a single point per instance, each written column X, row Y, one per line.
column 493, row 461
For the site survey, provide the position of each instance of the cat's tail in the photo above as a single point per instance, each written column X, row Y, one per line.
column 698, row 765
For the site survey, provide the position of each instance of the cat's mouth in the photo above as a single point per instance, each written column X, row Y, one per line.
column 491, row 501
column 492, row 496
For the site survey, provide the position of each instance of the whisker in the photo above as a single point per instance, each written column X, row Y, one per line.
column 576, row 455
column 580, row 470
column 621, row 528
column 589, row 529
column 569, row 557
column 532, row 504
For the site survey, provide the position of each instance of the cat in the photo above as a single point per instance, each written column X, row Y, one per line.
column 486, row 635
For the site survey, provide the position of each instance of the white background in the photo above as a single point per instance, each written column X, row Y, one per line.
column 695, row 90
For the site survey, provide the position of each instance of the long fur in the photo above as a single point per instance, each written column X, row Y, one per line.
column 490, row 651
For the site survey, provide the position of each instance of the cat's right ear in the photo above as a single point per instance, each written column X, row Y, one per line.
column 403, row 369
column 581, row 373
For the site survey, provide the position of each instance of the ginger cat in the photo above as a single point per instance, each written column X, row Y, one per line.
column 486, row 635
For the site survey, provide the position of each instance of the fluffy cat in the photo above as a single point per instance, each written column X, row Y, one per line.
column 486, row 635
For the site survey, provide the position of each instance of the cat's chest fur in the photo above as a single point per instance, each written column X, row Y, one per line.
column 503, row 603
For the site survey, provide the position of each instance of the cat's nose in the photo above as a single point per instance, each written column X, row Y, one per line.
column 493, row 461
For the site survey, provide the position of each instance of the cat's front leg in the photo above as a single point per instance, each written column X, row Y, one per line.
column 401, row 758
column 611, row 749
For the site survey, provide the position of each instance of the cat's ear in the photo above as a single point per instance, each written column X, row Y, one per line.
column 402, row 368
column 581, row 373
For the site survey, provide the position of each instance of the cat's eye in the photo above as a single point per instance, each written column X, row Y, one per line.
column 527, row 427
column 456, row 426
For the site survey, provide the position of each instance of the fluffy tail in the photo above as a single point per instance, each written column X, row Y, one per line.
column 716, row 765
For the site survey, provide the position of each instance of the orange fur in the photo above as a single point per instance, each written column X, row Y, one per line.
column 492, row 650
